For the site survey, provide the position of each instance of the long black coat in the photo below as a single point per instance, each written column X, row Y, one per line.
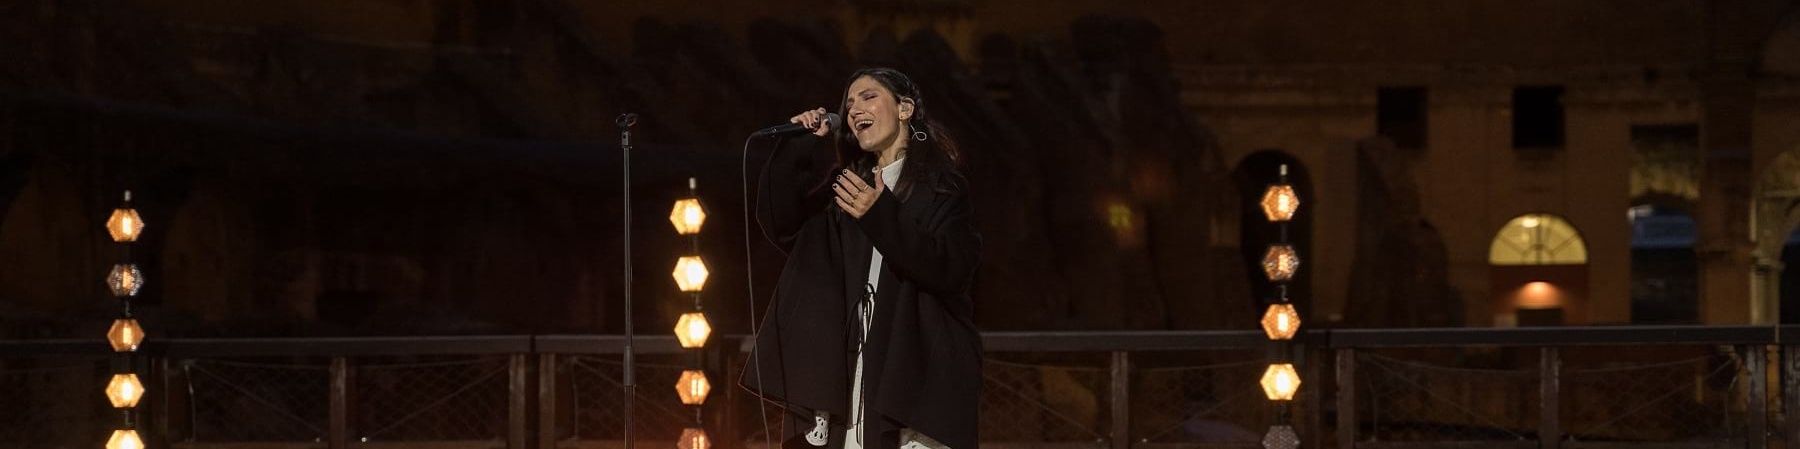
column 922, row 360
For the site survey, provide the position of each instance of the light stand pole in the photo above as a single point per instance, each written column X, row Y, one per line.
column 625, row 122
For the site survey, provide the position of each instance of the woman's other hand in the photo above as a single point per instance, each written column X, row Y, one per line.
column 855, row 196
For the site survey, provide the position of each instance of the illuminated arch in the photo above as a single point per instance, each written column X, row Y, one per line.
column 1537, row 239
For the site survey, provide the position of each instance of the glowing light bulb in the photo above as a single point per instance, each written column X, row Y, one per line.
column 693, row 438
column 1280, row 202
column 1280, row 382
column 690, row 274
column 693, row 387
column 692, row 330
column 125, row 335
column 124, row 439
column 1281, row 321
column 124, row 391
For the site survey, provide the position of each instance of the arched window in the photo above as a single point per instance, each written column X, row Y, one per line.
column 1537, row 239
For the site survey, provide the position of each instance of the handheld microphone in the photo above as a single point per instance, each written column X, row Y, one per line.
column 831, row 119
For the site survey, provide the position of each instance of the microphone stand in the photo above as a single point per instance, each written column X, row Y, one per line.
column 625, row 122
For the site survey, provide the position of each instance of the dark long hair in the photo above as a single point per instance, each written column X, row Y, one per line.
column 936, row 155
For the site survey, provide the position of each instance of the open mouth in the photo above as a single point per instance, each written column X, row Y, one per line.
column 863, row 124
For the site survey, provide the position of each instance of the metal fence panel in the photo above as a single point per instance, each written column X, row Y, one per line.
column 1664, row 397
column 242, row 401
column 1417, row 398
column 445, row 400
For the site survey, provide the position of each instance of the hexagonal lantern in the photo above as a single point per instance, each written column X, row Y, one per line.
column 692, row 330
column 125, row 280
column 690, row 274
column 1280, row 382
column 124, row 390
column 124, row 439
column 693, row 438
column 1279, row 202
column 125, row 335
column 693, row 387
column 1281, row 321
column 1281, row 262
column 1281, row 437
column 125, row 225
column 687, row 216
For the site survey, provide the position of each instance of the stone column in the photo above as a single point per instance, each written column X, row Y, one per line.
column 1767, row 285
column 1728, row 98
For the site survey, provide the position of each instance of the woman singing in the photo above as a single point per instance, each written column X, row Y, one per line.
column 870, row 341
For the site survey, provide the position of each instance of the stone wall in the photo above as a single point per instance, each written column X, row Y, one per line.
column 449, row 165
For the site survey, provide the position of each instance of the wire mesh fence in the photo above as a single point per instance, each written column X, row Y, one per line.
column 1671, row 395
column 1215, row 403
column 1404, row 399
column 599, row 393
column 1658, row 398
column 55, row 403
column 445, row 400
column 1657, row 394
column 236, row 400
column 1046, row 403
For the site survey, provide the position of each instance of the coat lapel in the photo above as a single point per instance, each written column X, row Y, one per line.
column 924, row 200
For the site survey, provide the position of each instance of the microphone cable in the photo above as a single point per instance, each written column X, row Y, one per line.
column 762, row 403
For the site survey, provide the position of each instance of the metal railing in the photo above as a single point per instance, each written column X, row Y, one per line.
column 1691, row 386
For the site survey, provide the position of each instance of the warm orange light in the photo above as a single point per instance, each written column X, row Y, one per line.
column 688, row 216
column 125, row 280
column 1281, row 321
column 690, row 274
column 124, row 391
column 124, row 439
column 125, row 335
column 692, row 330
column 693, row 387
column 1539, row 295
column 1279, row 202
column 693, row 438
column 1281, row 262
column 1280, row 382
column 125, row 225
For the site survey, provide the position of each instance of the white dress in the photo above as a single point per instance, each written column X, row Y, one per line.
column 853, row 438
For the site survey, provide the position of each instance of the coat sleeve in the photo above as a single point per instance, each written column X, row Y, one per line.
column 939, row 253
column 792, row 189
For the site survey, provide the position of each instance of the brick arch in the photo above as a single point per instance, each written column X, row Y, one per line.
column 1776, row 216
